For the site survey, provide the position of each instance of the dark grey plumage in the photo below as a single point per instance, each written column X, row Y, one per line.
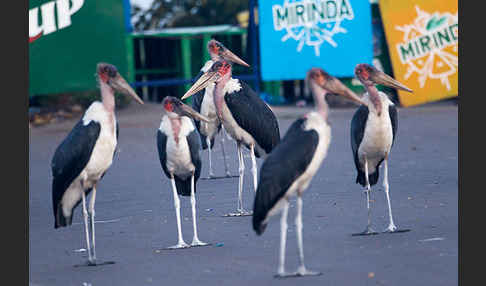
column 253, row 115
column 281, row 168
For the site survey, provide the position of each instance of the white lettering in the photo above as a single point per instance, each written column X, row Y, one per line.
column 64, row 13
column 48, row 16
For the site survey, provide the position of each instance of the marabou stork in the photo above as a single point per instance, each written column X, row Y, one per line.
column 178, row 144
column 289, row 169
column 85, row 155
column 244, row 115
column 203, row 103
column 373, row 131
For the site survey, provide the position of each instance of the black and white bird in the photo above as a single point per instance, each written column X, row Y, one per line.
column 289, row 169
column 373, row 131
column 203, row 102
column 244, row 115
column 85, row 155
column 178, row 144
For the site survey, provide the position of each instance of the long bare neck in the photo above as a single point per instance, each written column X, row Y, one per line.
column 219, row 94
column 320, row 101
column 374, row 97
column 107, row 97
column 175, row 124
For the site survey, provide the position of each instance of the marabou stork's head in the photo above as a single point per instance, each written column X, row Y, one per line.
column 108, row 74
column 220, row 52
column 369, row 75
column 174, row 107
column 217, row 71
column 319, row 81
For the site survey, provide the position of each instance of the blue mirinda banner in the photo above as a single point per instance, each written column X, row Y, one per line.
column 296, row 35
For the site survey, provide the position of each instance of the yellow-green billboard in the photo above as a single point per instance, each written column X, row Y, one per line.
column 423, row 39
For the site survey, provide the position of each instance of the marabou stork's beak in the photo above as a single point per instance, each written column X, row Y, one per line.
column 188, row 111
column 334, row 85
column 119, row 84
column 229, row 56
column 382, row 78
column 208, row 77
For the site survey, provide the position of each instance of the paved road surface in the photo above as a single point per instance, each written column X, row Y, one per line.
column 135, row 214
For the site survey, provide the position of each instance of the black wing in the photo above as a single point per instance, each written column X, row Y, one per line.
column 194, row 147
column 281, row 168
column 392, row 111
column 358, row 124
column 253, row 115
column 70, row 158
column 162, row 148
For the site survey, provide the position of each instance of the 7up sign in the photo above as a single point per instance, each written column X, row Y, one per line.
column 51, row 16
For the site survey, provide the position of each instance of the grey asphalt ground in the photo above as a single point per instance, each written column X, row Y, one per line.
column 135, row 213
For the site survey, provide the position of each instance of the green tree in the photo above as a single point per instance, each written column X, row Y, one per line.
column 184, row 13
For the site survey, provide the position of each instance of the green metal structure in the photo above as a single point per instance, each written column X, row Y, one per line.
column 186, row 36
column 64, row 57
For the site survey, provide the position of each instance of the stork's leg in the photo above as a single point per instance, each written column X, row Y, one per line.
column 283, row 240
column 92, row 222
column 85, row 215
column 195, row 239
column 239, row 210
column 391, row 226
column 301, row 271
column 208, row 142
column 226, row 167
column 177, row 205
column 253, row 167
column 368, row 229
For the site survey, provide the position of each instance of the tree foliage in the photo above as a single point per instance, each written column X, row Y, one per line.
column 184, row 13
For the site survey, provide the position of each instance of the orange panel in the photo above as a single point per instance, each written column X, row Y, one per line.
column 423, row 39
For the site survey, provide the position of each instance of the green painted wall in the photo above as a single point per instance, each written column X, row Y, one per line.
column 65, row 60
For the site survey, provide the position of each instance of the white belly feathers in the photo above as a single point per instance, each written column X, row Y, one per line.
column 378, row 135
column 178, row 154
column 102, row 155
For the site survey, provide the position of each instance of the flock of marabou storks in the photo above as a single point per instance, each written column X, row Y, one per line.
column 221, row 102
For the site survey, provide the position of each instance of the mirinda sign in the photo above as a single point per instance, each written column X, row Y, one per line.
column 423, row 39
column 296, row 35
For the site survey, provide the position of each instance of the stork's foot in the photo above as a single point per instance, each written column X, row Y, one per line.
column 367, row 231
column 394, row 229
column 302, row 271
column 197, row 242
column 240, row 212
column 95, row 263
column 391, row 228
column 218, row 177
column 179, row 245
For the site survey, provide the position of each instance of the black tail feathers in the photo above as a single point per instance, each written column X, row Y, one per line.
column 259, row 226
column 184, row 186
column 373, row 177
column 60, row 219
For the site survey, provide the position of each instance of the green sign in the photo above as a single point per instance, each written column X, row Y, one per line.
column 67, row 38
